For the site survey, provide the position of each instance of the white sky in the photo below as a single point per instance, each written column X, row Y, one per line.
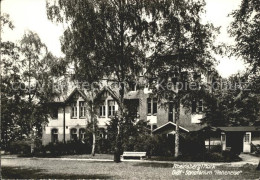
column 31, row 15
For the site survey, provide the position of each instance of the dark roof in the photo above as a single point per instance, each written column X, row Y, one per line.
column 240, row 128
column 193, row 127
column 65, row 96
column 114, row 92
column 75, row 91
column 132, row 95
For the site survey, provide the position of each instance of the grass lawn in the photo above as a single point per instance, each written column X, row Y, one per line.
column 24, row 168
column 88, row 156
column 83, row 156
column 21, row 173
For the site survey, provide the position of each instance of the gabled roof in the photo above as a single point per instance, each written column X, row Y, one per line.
column 75, row 91
column 112, row 93
column 65, row 96
column 168, row 128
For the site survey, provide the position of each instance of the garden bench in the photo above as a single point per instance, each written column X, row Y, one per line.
column 141, row 155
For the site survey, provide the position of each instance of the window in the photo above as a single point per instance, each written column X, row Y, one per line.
column 170, row 116
column 247, row 137
column 74, row 110
column 176, row 109
column 73, row 134
column 54, row 113
column 200, row 106
column 223, row 137
column 101, row 133
column 102, row 111
column 197, row 106
column 174, row 81
column 82, row 109
column 154, row 127
column 132, row 86
column 111, row 108
column 194, row 106
column 54, row 135
column 154, row 106
column 82, row 133
column 151, row 106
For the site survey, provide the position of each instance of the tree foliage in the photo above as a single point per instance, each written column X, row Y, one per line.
column 234, row 103
column 26, row 85
column 114, row 39
column 104, row 39
column 246, row 29
column 182, row 51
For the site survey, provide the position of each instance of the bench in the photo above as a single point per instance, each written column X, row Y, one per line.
column 141, row 155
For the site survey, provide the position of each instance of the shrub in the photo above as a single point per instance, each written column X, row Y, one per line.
column 255, row 148
column 70, row 147
column 146, row 143
column 216, row 148
column 103, row 146
column 193, row 145
column 214, row 157
column 20, row 147
column 230, row 156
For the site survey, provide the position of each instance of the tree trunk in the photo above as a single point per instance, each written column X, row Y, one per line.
column 120, row 119
column 31, row 115
column 118, row 146
column 177, row 131
column 93, row 131
column 31, row 133
column 258, row 167
column 32, row 139
column 32, row 143
column 93, row 144
column 0, row 112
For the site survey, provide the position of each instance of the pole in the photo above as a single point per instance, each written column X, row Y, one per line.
column 64, row 136
column 0, row 101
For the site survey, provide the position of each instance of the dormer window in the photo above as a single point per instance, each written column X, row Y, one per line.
column 102, row 110
column 74, row 110
column 82, row 109
column 111, row 108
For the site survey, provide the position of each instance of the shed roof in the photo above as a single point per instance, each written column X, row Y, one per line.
column 240, row 128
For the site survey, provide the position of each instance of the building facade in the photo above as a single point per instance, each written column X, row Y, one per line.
column 69, row 117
